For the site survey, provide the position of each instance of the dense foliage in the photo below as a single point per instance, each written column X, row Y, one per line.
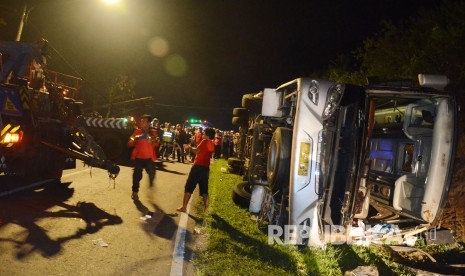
column 432, row 42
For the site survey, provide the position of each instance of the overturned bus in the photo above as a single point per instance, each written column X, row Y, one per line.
column 342, row 153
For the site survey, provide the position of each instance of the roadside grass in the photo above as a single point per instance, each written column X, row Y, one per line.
column 236, row 246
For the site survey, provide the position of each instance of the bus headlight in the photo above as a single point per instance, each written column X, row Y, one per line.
column 332, row 100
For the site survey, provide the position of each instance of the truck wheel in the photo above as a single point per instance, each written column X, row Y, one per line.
column 241, row 112
column 279, row 159
column 47, row 173
column 55, row 174
column 55, row 164
column 256, row 147
column 45, row 164
column 241, row 194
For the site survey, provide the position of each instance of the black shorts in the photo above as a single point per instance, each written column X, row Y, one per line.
column 198, row 174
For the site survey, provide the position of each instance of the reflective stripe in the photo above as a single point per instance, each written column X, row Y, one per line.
column 106, row 123
column 15, row 129
column 5, row 129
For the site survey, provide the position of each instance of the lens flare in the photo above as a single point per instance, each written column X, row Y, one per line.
column 158, row 46
column 175, row 65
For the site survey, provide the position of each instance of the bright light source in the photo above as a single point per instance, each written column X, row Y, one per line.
column 118, row 5
column 11, row 138
column 111, row 2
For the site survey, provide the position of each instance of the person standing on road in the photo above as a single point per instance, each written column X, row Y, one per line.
column 193, row 143
column 168, row 139
column 155, row 124
column 180, row 138
column 218, row 141
column 198, row 136
column 200, row 170
column 144, row 140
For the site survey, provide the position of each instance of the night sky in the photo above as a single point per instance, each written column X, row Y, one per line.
column 197, row 58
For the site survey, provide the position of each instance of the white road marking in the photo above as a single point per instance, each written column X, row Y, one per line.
column 76, row 172
column 35, row 184
column 177, row 264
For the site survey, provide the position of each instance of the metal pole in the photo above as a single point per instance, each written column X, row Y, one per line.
column 21, row 23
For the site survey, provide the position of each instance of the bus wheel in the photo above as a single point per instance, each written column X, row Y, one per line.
column 279, row 154
column 241, row 194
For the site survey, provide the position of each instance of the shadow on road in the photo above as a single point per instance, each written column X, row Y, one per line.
column 27, row 208
column 158, row 221
column 163, row 225
column 159, row 166
column 164, row 169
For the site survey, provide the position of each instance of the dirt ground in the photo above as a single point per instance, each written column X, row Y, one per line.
column 454, row 213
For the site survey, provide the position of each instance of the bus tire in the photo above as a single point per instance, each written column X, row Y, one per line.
column 279, row 159
column 234, row 162
column 241, row 194
column 254, row 105
column 241, row 112
column 238, row 121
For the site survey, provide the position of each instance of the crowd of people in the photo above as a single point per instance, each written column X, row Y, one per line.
column 173, row 137
column 152, row 140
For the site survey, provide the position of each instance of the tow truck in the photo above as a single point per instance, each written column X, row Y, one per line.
column 42, row 131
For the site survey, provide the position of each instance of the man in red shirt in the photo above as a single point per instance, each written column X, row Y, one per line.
column 144, row 140
column 200, row 170
column 198, row 136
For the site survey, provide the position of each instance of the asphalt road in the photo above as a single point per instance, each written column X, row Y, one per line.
column 88, row 225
